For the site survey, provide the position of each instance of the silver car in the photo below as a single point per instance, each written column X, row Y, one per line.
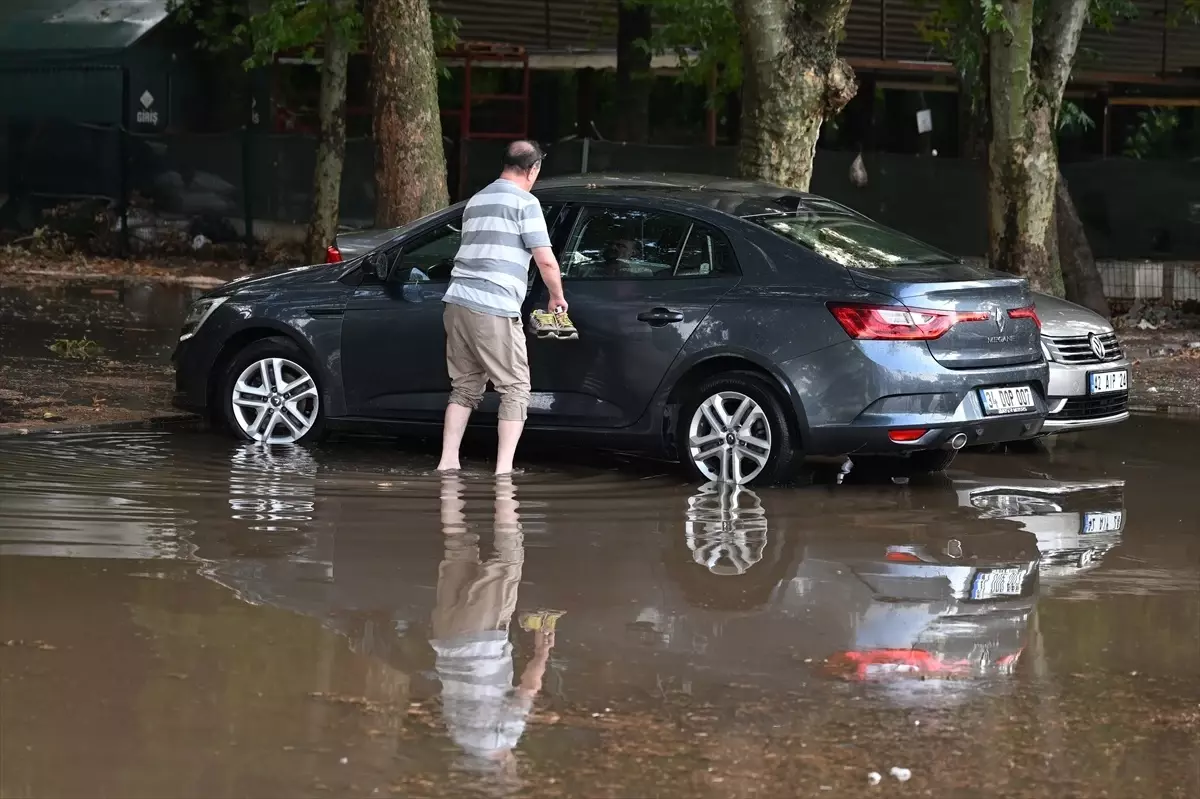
column 1089, row 373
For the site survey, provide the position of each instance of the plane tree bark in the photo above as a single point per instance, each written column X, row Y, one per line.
column 794, row 81
column 331, row 144
column 410, row 162
column 1029, row 64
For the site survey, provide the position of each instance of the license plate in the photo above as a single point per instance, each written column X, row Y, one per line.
column 998, row 582
column 1013, row 399
column 1102, row 521
column 1105, row 382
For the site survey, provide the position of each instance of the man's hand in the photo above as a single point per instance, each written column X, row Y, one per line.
column 558, row 303
column 543, row 642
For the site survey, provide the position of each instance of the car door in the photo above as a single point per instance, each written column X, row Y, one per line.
column 639, row 282
column 393, row 341
column 393, row 345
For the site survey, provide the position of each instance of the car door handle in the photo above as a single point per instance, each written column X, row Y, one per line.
column 658, row 317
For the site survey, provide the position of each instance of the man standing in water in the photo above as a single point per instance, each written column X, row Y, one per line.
column 502, row 228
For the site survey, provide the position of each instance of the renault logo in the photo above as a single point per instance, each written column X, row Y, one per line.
column 998, row 318
column 1097, row 345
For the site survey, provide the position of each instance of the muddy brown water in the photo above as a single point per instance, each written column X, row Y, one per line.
column 181, row 615
column 127, row 320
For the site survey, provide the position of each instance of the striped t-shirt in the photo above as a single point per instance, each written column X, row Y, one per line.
column 501, row 226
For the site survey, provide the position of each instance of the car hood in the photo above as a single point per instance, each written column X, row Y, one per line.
column 1061, row 318
column 290, row 276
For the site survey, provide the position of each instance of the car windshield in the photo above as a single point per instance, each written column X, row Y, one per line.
column 855, row 241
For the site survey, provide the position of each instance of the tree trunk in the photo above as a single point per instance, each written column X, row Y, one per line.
column 1022, row 168
column 410, row 165
column 634, row 79
column 331, row 146
column 1081, row 279
column 794, row 81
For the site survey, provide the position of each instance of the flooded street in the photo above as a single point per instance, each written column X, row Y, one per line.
column 184, row 616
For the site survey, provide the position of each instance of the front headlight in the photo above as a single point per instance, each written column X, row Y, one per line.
column 198, row 314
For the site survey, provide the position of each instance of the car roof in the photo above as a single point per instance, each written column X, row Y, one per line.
column 741, row 198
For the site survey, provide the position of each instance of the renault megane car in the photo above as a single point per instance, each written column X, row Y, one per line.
column 733, row 326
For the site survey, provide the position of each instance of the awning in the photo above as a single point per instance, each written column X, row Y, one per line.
column 52, row 30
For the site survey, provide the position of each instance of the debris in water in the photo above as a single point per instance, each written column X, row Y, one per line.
column 874, row 778
column 902, row 774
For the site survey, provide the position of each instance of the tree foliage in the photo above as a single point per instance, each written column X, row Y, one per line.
column 703, row 34
column 283, row 25
column 958, row 30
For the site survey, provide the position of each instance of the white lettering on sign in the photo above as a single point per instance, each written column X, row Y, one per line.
column 145, row 115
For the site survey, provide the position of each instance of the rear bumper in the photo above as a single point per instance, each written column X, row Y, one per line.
column 853, row 394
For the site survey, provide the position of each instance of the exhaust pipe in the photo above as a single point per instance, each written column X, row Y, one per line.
column 957, row 441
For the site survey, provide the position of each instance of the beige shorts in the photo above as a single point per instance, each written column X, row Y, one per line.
column 474, row 597
column 481, row 347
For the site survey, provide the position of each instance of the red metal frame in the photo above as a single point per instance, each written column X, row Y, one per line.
column 481, row 55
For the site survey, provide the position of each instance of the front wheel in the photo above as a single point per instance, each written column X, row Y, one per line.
column 734, row 429
column 270, row 394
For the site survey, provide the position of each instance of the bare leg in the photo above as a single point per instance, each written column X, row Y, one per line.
column 452, row 433
column 509, row 434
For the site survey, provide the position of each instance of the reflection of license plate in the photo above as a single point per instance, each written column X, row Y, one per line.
column 1012, row 399
column 998, row 582
column 1102, row 521
column 1104, row 382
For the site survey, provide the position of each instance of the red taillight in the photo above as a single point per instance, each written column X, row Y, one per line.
column 896, row 322
column 333, row 255
column 909, row 434
column 1028, row 312
column 894, row 555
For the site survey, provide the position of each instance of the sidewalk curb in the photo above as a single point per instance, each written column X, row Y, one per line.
column 153, row 422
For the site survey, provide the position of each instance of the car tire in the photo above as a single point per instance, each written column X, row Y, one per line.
column 929, row 461
column 275, row 378
column 763, row 420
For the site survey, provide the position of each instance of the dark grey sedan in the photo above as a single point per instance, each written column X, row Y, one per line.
column 732, row 326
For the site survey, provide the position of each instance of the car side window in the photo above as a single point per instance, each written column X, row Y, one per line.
column 431, row 256
column 630, row 244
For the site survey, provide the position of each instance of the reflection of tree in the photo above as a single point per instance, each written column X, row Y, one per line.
column 855, row 242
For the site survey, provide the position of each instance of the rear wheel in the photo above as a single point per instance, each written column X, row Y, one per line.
column 269, row 394
column 734, row 429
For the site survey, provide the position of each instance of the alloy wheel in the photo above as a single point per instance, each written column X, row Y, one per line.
column 729, row 438
column 275, row 401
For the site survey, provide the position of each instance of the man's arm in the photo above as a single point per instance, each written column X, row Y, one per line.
column 537, row 239
column 547, row 264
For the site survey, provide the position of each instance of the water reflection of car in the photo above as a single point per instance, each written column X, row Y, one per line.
column 1076, row 522
column 865, row 589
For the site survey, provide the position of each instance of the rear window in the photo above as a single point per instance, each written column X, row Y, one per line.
column 854, row 241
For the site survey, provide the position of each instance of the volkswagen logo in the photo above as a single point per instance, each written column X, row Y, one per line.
column 1097, row 345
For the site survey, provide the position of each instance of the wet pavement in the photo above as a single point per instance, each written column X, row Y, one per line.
column 185, row 616
column 127, row 375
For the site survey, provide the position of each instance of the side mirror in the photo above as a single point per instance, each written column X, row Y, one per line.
column 379, row 265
